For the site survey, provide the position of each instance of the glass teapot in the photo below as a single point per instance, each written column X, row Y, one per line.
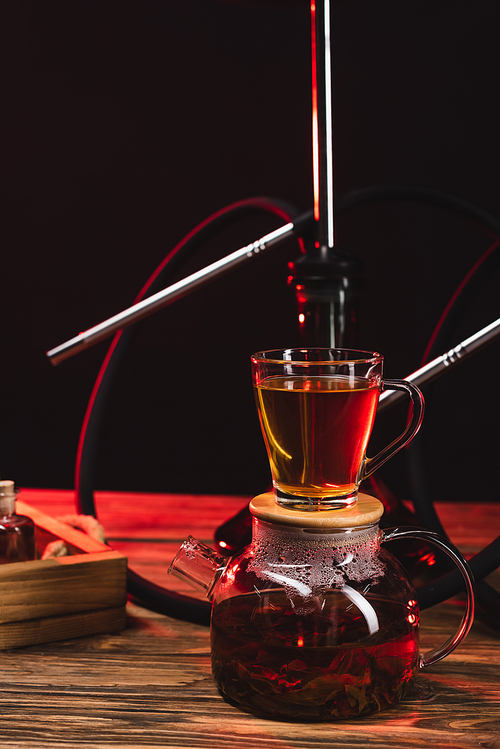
column 314, row 620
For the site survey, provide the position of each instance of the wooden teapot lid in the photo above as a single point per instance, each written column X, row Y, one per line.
column 366, row 511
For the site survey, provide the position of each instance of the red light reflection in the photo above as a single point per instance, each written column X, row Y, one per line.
column 315, row 135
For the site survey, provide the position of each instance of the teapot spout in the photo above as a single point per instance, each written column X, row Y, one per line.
column 198, row 564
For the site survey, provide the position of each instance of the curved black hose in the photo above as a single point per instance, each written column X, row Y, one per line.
column 441, row 340
column 488, row 559
column 146, row 592
column 473, row 212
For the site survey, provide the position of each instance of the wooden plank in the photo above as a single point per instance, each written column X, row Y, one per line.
column 161, row 516
column 31, row 590
column 172, row 516
column 150, row 685
column 52, row 628
column 152, row 561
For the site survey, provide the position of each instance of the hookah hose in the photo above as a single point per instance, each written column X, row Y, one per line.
column 184, row 607
column 487, row 560
column 144, row 591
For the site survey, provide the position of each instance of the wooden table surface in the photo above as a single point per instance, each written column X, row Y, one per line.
column 150, row 685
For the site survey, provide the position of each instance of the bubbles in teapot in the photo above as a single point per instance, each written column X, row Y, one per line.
column 319, row 563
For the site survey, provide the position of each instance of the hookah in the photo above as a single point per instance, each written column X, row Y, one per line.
column 327, row 282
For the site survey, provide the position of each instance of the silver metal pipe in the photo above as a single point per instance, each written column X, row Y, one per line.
column 441, row 364
column 322, row 124
column 165, row 297
column 330, row 220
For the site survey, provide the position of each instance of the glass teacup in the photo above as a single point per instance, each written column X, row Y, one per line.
column 316, row 408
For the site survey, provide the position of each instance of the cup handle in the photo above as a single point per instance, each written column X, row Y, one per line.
column 390, row 534
column 372, row 464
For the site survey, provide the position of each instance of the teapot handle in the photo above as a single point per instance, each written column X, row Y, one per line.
column 391, row 534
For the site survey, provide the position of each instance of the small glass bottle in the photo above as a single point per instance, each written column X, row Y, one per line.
column 17, row 532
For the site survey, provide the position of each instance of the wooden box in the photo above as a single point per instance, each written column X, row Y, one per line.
column 46, row 600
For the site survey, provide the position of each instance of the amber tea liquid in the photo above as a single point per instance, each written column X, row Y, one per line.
column 316, row 432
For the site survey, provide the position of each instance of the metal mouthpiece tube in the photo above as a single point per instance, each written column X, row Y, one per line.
column 165, row 297
column 438, row 366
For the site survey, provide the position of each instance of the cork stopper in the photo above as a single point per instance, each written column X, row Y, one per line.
column 367, row 511
column 8, row 494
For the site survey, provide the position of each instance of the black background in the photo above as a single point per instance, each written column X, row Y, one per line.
column 127, row 123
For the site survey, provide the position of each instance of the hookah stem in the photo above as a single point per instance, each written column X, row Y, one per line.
column 322, row 124
column 327, row 277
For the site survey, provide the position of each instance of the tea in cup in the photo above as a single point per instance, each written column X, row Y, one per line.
column 317, row 408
